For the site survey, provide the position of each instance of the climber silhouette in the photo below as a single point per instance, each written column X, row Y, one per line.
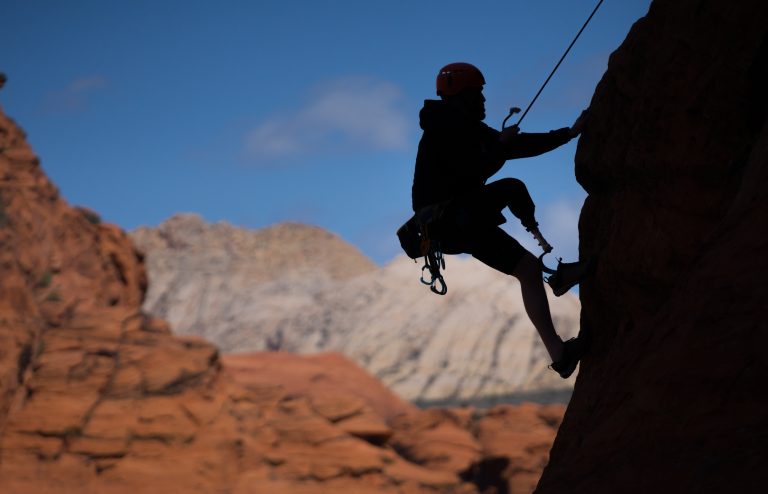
column 457, row 154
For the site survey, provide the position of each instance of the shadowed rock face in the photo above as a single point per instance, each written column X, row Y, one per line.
column 97, row 397
column 675, row 160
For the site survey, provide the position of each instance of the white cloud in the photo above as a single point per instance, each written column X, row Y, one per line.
column 85, row 84
column 347, row 114
column 74, row 97
column 562, row 219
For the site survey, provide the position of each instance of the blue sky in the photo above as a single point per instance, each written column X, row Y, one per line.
column 260, row 112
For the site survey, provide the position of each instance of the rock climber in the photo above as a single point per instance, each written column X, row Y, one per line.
column 457, row 154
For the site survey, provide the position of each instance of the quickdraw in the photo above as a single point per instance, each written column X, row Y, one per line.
column 420, row 237
column 429, row 228
column 433, row 262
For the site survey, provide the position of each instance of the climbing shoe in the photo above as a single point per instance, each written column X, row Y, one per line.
column 573, row 349
column 568, row 275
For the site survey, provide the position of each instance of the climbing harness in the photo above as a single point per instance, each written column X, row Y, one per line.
column 514, row 110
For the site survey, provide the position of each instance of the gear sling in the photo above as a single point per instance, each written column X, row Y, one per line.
column 420, row 237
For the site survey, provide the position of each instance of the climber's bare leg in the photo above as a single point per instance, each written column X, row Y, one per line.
column 536, row 305
column 496, row 248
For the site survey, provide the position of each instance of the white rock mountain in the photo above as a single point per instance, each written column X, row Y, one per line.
column 299, row 288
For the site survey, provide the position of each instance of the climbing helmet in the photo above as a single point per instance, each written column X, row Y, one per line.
column 455, row 77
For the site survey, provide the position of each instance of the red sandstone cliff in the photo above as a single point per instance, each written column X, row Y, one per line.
column 675, row 161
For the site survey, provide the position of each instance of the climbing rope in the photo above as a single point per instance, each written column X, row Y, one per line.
column 546, row 247
column 514, row 110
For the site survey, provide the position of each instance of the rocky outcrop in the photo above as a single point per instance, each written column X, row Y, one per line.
column 55, row 261
column 474, row 345
column 97, row 397
column 675, row 161
column 500, row 450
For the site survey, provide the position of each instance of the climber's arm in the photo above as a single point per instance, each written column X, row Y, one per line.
column 521, row 145
column 525, row 145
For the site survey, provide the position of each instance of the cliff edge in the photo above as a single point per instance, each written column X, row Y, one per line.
column 675, row 161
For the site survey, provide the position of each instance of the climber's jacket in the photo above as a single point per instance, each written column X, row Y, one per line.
column 457, row 155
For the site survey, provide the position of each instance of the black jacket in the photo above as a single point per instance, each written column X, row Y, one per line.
column 457, row 155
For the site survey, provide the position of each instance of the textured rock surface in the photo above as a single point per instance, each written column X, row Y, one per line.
column 55, row 260
column 503, row 449
column 320, row 376
column 96, row 397
column 675, row 161
column 475, row 344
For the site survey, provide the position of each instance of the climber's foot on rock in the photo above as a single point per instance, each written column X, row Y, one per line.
column 569, row 274
column 573, row 350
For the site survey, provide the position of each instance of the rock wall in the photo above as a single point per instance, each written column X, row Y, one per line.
column 675, row 160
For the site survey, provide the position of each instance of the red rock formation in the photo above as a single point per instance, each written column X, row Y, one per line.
column 349, row 398
column 337, row 389
column 502, row 451
column 95, row 397
column 54, row 261
column 675, row 160
column 516, row 443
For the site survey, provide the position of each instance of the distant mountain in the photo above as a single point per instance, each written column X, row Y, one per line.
column 299, row 288
column 284, row 250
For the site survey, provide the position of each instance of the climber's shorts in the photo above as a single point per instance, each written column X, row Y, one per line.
column 490, row 245
column 471, row 228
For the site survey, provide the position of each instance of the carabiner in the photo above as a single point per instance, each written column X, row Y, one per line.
column 512, row 111
column 443, row 287
column 432, row 280
column 544, row 267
